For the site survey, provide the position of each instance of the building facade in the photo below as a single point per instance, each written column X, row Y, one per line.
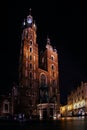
column 5, row 105
column 76, row 102
column 38, row 74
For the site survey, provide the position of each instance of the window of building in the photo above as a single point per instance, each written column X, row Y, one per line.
column 82, row 97
column 52, row 67
column 30, row 66
column 30, row 57
column 52, row 57
column 30, row 49
column 43, row 89
column 82, row 91
column 30, row 42
column 43, row 80
column 6, row 107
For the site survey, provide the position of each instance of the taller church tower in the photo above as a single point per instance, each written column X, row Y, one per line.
column 38, row 75
column 28, row 67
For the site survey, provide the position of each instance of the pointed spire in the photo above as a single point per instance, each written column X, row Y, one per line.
column 55, row 50
column 29, row 17
column 30, row 11
column 48, row 40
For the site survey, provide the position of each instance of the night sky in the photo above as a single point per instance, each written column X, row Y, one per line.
column 64, row 23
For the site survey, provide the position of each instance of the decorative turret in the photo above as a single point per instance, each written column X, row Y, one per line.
column 48, row 45
column 48, row 40
column 24, row 23
column 34, row 26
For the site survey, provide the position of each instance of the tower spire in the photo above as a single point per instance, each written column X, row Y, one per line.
column 48, row 40
column 29, row 17
column 30, row 11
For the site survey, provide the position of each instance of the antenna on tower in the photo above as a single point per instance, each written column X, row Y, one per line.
column 48, row 40
column 30, row 11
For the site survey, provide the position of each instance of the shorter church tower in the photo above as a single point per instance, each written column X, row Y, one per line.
column 49, row 82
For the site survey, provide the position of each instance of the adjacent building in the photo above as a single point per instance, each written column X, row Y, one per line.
column 76, row 102
column 5, row 105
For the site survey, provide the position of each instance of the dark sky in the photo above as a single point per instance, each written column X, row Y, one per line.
column 66, row 25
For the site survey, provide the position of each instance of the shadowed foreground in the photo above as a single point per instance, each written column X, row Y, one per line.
column 62, row 124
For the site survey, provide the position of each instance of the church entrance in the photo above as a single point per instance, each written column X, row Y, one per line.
column 51, row 112
column 45, row 116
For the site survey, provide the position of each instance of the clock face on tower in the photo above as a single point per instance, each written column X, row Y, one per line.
column 29, row 20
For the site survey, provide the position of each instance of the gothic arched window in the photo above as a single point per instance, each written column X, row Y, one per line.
column 30, row 49
column 30, row 57
column 52, row 67
column 30, row 66
column 52, row 57
column 43, row 80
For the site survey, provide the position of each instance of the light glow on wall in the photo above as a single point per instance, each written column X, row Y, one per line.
column 70, row 107
column 79, row 104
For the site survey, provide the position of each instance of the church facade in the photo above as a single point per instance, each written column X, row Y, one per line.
column 38, row 75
